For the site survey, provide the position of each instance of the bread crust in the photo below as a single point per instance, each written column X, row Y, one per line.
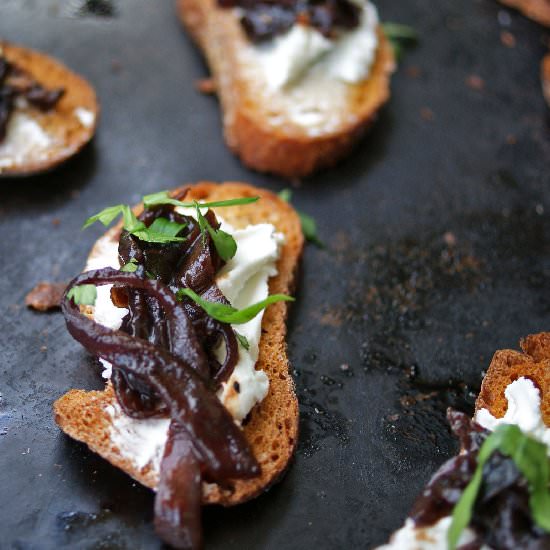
column 537, row 10
column 509, row 365
column 286, row 150
column 60, row 123
column 545, row 77
column 272, row 430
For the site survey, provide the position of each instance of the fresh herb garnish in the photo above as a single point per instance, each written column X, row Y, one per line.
column 228, row 314
column 162, row 226
column 309, row 225
column 286, row 195
column 160, row 231
column 163, row 197
column 400, row 36
column 225, row 244
column 130, row 267
column 83, row 295
column 531, row 459
column 243, row 340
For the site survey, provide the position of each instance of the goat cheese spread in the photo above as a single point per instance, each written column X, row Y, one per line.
column 410, row 537
column 523, row 410
column 25, row 140
column 243, row 281
column 85, row 117
column 303, row 51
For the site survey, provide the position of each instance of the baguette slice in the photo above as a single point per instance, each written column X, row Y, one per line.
column 69, row 125
column 509, row 365
column 545, row 77
column 537, row 10
column 249, row 110
column 273, row 427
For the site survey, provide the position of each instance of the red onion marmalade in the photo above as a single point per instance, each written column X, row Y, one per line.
column 164, row 365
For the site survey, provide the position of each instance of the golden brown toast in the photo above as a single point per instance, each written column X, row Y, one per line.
column 509, row 365
column 273, row 426
column 66, row 130
column 545, row 77
column 287, row 149
column 538, row 10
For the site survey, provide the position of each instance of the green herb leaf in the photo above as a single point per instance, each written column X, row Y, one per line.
column 309, row 229
column 309, row 225
column 531, row 459
column 160, row 231
column 285, row 194
column 225, row 244
column 243, row 340
column 152, row 237
column 106, row 216
column 397, row 31
column 399, row 35
column 130, row 221
column 166, row 227
column 229, row 314
column 83, row 295
column 130, row 267
column 162, row 197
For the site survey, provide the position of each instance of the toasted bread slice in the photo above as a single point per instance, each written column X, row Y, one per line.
column 273, row 426
column 63, row 131
column 257, row 123
column 509, row 365
column 537, row 10
column 545, row 77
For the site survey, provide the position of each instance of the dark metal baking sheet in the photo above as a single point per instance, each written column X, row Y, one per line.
column 437, row 231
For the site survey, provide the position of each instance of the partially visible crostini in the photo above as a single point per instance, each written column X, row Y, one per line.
column 49, row 112
column 537, row 10
column 508, row 366
column 312, row 119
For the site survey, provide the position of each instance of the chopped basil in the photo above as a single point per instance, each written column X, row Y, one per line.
column 225, row 244
column 243, row 340
column 160, row 231
column 83, row 295
column 163, row 197
column 531, row 459
column 229, row 314
column 309, row 225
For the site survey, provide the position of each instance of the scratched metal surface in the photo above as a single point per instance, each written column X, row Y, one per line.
column 437, row 254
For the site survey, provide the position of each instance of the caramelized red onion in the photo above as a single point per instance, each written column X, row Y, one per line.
column 501, row 517
column 192, row 263
column 178, row 519
column 14, row 83
column 203, row 440
column 164, row 364
column 264, row 19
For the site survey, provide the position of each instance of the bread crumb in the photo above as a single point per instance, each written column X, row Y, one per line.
column 475, row 82
column 426, row 113
column 449, row 238
column 206, row 85
column 45, row 296
column 508, row 39
column 537, row 10
column 413, row 71
column 511, row 139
